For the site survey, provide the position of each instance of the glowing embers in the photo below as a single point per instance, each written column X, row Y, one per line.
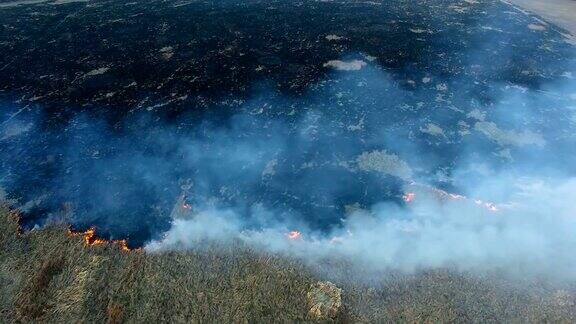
column 186, row 206
column 90, row 239
column 182, row 208
column 408, row 197
column 294, row 235
column 441, row 195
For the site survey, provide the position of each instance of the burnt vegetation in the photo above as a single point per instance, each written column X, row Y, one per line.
column 51, row 276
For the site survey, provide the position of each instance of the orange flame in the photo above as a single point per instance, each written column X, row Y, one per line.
column 90, row 239
column 443, row 195
column 294, row 235
column 409, row 197
column 89, row 236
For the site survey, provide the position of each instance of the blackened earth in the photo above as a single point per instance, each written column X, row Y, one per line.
column 111, row 109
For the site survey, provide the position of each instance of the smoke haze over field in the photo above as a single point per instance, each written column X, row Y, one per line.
column 522, row 237
column 462, row 155
column 528, row 229
column 233, row 172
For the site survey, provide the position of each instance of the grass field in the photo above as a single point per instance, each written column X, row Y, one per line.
column 50, row 276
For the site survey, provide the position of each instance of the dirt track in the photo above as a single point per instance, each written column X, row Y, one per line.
column 559, row 12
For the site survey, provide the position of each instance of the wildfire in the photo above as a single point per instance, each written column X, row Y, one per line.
column 294, row 235
column 409, row 197
column 443, row 195
column 90, row 239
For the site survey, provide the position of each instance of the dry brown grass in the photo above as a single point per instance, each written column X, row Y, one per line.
column 48, row 276
column 33, row 299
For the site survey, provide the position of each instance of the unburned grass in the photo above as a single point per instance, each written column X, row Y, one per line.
column 48, row 276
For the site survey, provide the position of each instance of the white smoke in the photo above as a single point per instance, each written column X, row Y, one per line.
column 533, row 233
column 367, row 125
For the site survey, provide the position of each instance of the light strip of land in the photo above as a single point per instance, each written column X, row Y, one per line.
column 559, row 12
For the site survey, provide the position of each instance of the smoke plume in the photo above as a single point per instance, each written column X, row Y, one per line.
column 394, row 169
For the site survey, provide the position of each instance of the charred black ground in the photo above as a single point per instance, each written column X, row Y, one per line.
column 112, row 109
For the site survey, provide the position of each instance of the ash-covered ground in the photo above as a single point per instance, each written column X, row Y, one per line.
column 294, row 116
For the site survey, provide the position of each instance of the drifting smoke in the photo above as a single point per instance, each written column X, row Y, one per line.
column 529, row 229
column 531, row 234
column 390, row 173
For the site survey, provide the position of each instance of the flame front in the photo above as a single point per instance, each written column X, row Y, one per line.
column 294, row 235
column 90, row 239
column 409, row 197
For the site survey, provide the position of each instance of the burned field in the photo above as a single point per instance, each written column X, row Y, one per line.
column 428, row 140
column 112, row 109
